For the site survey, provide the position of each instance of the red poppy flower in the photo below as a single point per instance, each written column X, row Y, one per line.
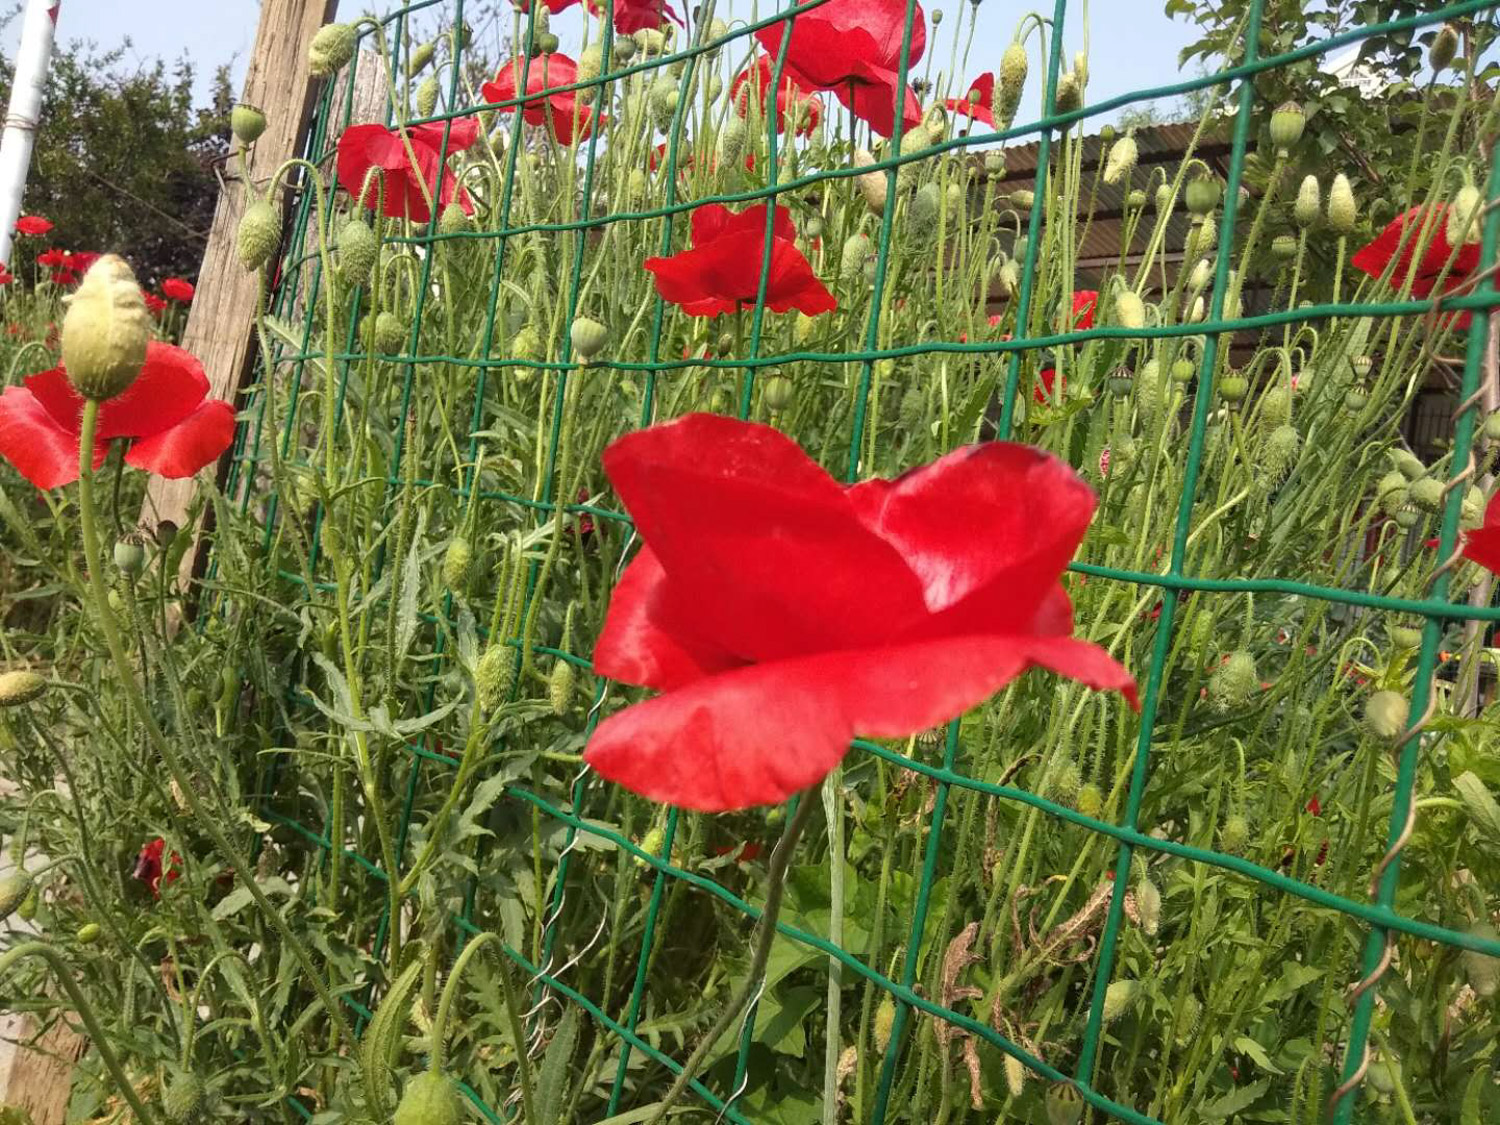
column 806, row 109
column 6, row 277
column 148, row 866
column 635, row 15
column 721, row 273
column 64, row 277
column 1049, row 388
column 782, row 613
column 544, row 72
column 406, row 189
column 177, row 289
column 80, row 262
column 175, row 429
column 853, row 47
column 1482, row 545
column 53, row 258
column 977, row 104
column 1085, row 301
column 1397, row 244
column 155, row 304
column 33, row 225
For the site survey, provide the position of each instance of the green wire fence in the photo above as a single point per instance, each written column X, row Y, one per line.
column 298, row 294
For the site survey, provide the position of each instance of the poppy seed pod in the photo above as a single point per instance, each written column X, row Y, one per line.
column 778, row 393
column 494, row 675
column 588, row 337
column 429, row 1099
column 1480, row 969
column 456, row 565
column 184, row 1099
column 20, row 687
column 1463, row 217
column 427, row 96
column 1122, row 157
column 1342, row 214
column 1136, row 199
column 1064, row 1104
column 331, row 48
column 1284, row 246
column 358, row 251
column 259, row 235
column 1309, row 203
column 14, row 889
column 1202, row 194
column 1444, row 48
column 1386, row 713
column 247, row 123
column 1130, row 310
column 1287, row 123
column 106, row 330
column 130, row 556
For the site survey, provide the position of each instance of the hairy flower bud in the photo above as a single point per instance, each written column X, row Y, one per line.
column 417, row 61
column 1427, row 493
column 1279, row 453
column 857, row 247
column 1148, row 904
column 1464, row 215
column 1444, row 48
column 105, row 332
column 385, row 333
column 259, row 235
column 427, row 96
column 1342, row 213
column 1069, row 93
column 1235, row 834
column 429, row 1099
column 885, row 1020
column 1118, row 998
column 1122, row 157
column 494, row 676
column 184, row 1100
column 1480, row 969
column 1006, row 96
column 1386, row 714
column 331, row 48
column 560, row 686
column 247, row 123
column 1234, row 683
column 88, row 933
column 456, row 562
column 1130, row 310
column 1136, row 199
column 1309, row 203
column 358, row 251
column 19, row 687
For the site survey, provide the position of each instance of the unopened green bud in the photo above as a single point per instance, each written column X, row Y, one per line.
column 456, row 564
column 922, row 213
column 359, row 250
column 15, row 888
column 1427, row 493
column 1464, row 216
column 1342, row 214
column 259, row 235
column 1136, row 199
column 857, row 248
column 1404, row 634
column 1386, row 714
column 1090, row 800
column 417, row 61
column 1163, row 198
column 1118, row 998
column 1480, row 969
column 1235, row 834
column 105, row 331
column 331, row 48
column 246, row 123
column 1234, row 683
column 1309, row 202
column 1015, row 1076
column 1069, row 93
column 427, row 96
column 1279, row 453
column 1122, row 157
column 430, row 1098
column 872, row 185
column 88, row 933
column 1148, row 906
column 1022, row 200
column 663, row 97
column 885, row 1021
column 494, row 676
column 385, row 333
column 184, row 1100
column 1444, row 47
column 1130, row 310
column 1006, row 96
column 560, row 686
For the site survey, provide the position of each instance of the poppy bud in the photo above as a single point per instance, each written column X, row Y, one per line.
column 417, row 61
column 259, row 235
column 1130, row 310
column 922, row 213
column 885, row 1021
column 1234, row 682
column 1064, row 783
column 1279, row 453
column 456, row 565
column 1122, row 157
column 733, row 139
column 1471, row 512
column 494, row 675
column 650, row 41
column 871, row 185
column 130, row 556
column 1069, row 93
column 1235, row 834
column 1386, row 714
column 1163, row 197
column 88, row 933
column 331, row 48
column 1481, row 970
column 1064, row 1104
column 1107, row 134
column 1342, row 213
column 247, row 123
column 1006, row 96
column 1081, row 69
column 588, row 337
column 1022, row 200
column 358, row 251
column 651, row 844
column 1015, row 1075
column 1205, row 234
column 427, row 96
column 19, row 687
column 1404, row 634
column 184, row 1099
column 856, row 249
column 1276, row 405
column 1309, row 203
column 1201, row 275
column 1287, row 123
column 526, row 345
column 778, row 393
column 560, row 686
column 663, row 98
column 1136, row 199
column 1284, row 246
column 636, row 186
column 1090, row 800
column 15, row 888
column 1463, row 217
column 1444, row 48
column 1427, row 493
column 105, row 332
column 429, row 1099
column 384, row 333
column 453, row 220
column 1148, row 904
column 1118, row 998
column 1202, row 194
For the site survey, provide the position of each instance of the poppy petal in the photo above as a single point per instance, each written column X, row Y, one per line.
column 987, row 529
column 43, row 452
column 763, row 552
column 1482, row 545
column 169, row 388
column 185, row 448
column 757, row 735
column 635, row 646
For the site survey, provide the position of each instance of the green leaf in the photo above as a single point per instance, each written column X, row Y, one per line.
column 1237, row 1100
column 1253, row 1050
column 1468, row 1113
column 378, row 1047
column 552, row 1078
column 408, row 617
column 1482, row 808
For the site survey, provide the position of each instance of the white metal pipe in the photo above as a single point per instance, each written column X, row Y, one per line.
column 24, row 112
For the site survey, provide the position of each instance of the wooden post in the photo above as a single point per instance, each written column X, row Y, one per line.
column 221, row 325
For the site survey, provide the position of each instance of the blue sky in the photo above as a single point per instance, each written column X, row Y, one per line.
column 1132, row 43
